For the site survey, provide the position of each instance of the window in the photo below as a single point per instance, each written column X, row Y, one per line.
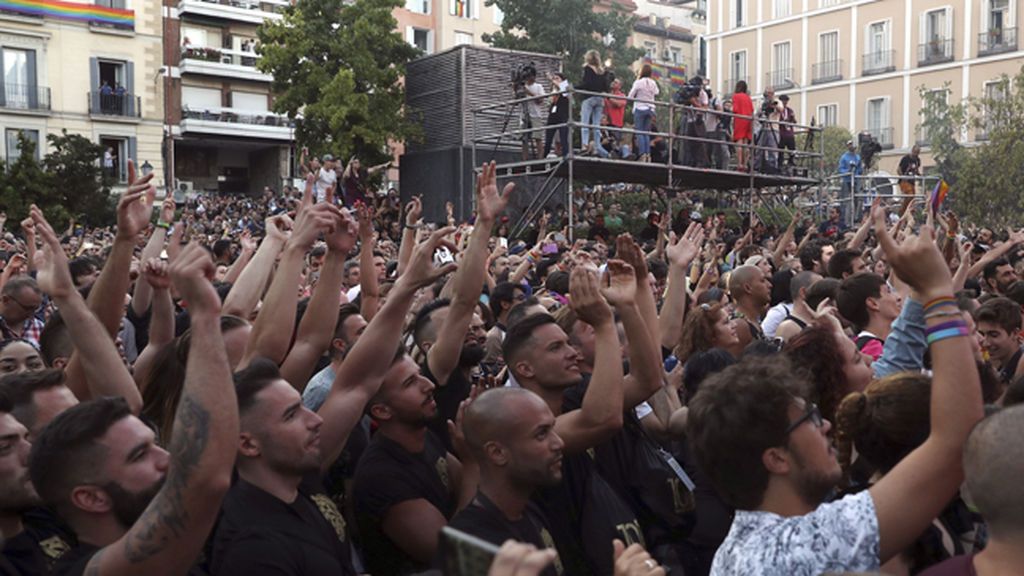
column 120, row 4
column 940, row 94
column 119, row 148
column 463, row 38
column 651, row 50
column 782, row 71
column 738, row 13
column 249, row 101
column 418, row 6
column 935, row 25
column 936, row 36
column 421, row 39
column 781, row 8
column 676, row 54
column 497, row 14
column 738, row 68
column 461, row 8
column 112, row 87
column 999, row 15
column 14, row 145
column 828, row 114
column 702, row 66
column 19, row 78
column 879, row 56
column 878, row 37
column 828, row 47
column 827, row 3
column 877, row 115
column 199, row 99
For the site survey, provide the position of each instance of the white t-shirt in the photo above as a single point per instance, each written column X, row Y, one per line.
column 325, row 178
column 535, row 107
column 840, row 536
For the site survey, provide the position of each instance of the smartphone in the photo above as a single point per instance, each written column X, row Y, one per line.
column 503, row 242
column 549, row 248
column 559, row 237
column 465, row 554
column 443, row 256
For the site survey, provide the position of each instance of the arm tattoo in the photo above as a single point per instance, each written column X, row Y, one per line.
column 93, row 567
column 166, row 517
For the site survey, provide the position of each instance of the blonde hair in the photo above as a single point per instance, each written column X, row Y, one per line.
column 593, row 59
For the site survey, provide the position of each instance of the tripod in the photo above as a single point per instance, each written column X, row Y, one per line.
column 528, row 144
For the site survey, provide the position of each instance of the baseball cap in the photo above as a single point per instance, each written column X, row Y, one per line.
column 328, row 158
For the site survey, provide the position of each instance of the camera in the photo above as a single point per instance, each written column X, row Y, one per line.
column 768, row 107
column 869, row 146
column 520, row 74
column 689, row 91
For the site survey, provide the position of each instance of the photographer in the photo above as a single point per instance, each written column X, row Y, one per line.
column 691, row 122
column 787, row 134
column 767, row 154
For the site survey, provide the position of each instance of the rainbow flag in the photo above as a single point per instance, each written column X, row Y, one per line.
column 676, row 75
column 939, row 195
column 71, row 11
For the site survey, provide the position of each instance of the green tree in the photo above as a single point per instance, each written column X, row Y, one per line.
column 25, row 183
column 337, row 66
column 832, row 145
column 83, row 188
column 568, row 28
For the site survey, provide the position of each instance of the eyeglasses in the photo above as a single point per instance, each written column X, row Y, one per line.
column 24, row 307
column 812, row 413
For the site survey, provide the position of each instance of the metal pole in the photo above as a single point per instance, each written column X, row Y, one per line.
column 671, row 140
column 572, row 156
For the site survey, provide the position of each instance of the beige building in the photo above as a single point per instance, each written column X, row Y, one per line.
column 437, row 25
column 670, row 33
column 89, row 68
column 861, row 63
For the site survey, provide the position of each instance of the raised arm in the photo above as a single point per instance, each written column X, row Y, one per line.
column 996, row 253
column 369, row 288
column 246, row 292
column 317, row 326
column 778, row 257
column 862, row 233
column 104, row 371
column 248, row 244
column 600, row 415
column 913, row 494
column 361, row 374
column 443, row 356
column 681, row 253
column 142, row 297
column 639, row 317
column 170, row 534
column 413, row 212
column 155, row 272
column 28, row 226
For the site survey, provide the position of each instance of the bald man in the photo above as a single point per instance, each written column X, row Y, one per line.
column 751, row 290
column 511, row 433
column 993, row 466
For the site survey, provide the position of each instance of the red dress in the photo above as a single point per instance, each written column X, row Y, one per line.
column 741, row 127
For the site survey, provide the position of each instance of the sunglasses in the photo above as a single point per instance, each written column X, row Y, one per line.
column 812, row 413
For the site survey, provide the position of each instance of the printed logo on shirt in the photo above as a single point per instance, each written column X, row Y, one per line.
column 682, row 499
column 330, row 513
column 631, row 534
column 442, row 471
column 54, row 547
column 549, row 542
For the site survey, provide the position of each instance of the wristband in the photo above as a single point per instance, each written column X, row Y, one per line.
column 937, row 302
column 945, row 326
column 942, row 313
column 947, row 333
column 413, row 226
column 162, row 224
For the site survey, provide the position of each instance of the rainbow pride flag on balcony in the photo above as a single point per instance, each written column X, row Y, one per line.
column 676, row 75
column 71, row 11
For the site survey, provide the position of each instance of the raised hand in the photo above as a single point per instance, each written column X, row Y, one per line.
column 312, row 221
column 585, row 296
column 28, row 226
column 167, row 210
column 489, row 203
column 279, row 227
column 627, row 250
column 52, row 263
column 247, row 242
column 136, row 205
column 192, row 275
column 682, row 251
column 365, row 214
column 421, row 270
column 157, row 274
column 619, row 284
column 413, row 211
column 917, row 261
column 343, row 238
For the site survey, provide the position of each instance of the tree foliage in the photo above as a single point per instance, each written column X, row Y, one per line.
column 984, row 174
column 832, row 145
column 568, row 28
column 68, row 182
column 337, row 67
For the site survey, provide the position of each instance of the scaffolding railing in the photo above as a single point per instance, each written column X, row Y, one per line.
column 855, row 199
column 807, row 162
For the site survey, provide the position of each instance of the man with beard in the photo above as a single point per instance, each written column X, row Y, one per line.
column 452, row 335
column 510, row 432
column 998, row 275
column 136, row 508
column 277, row 517
column 768, row 453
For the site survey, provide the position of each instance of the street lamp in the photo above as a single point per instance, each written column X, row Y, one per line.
column 147, row 168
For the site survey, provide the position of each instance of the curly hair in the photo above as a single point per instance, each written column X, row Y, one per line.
column 698, row 330
column 816, row 354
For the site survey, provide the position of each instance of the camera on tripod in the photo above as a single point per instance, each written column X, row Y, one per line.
column 689, row 91
column 519, row 76
column 869, row 146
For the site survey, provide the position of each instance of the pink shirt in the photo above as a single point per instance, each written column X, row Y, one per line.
column 645, row 90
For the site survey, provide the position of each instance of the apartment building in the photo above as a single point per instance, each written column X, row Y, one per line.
column 670, row 32
column 437, row 25
column 861, row 63
column 85, row 67
column 223, row 135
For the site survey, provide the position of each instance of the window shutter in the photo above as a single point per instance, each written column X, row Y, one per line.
column 129, row 87
column 33, row 83
column 94, row 85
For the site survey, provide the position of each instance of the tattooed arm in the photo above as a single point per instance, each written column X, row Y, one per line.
column 170, row 534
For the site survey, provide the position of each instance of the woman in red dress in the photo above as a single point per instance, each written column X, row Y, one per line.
column 742, row 129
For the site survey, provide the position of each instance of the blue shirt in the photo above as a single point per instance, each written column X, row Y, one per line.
column 318, row 388
column 849, row 163
column 905, row 347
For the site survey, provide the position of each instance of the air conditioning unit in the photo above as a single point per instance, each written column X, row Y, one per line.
column 183, row 191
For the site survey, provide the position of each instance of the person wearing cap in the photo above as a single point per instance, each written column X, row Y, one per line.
column 850, row 166
column 787, row 133
column 326, row 177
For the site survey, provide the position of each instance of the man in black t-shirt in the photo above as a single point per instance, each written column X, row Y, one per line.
column 510, row 432
column 277, row 517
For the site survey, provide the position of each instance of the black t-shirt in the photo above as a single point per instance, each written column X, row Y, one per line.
column 484, row 520
column 910, row 165
column 41, row 543
column 388, row 475
column 260, row 534
column 1007, row 371
column 73, row 563
column 448, row 398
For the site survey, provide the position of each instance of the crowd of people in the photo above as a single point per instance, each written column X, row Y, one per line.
column 710, row 128
column 317, row 382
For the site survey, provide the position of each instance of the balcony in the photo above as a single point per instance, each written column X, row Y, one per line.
column 25, row 97
column 779, row 79
column 251, row 11
column 997, row 41
column 830, row 71
column 730, row 85
column 114, row 106
column 223, row 63
column 936, row 51
column 238, row 123
column 878, row 62
column 883, row 135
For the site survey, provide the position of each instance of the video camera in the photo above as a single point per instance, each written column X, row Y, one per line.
column 520, row 74
column 869, row 146
column 689, row 91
